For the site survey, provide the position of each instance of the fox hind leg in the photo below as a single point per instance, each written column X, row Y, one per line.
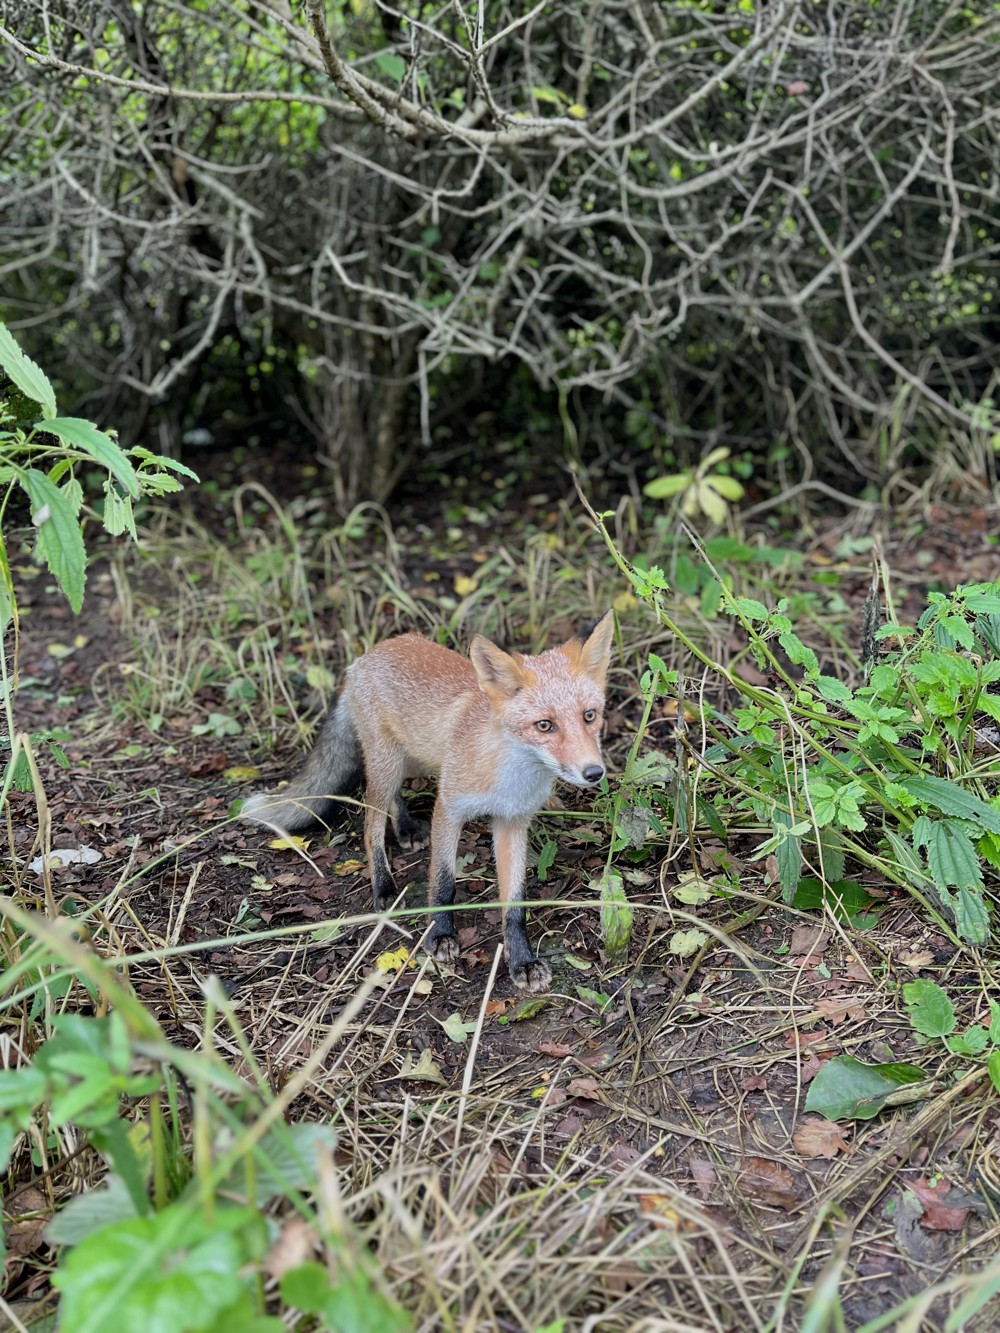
column 411, row 834
column 381, row 799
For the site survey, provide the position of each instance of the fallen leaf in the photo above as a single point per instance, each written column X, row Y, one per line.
column 464, row 586
column 494, row 1007
column 753, row 1083
column 769, row 1182
column 29, row 1212
column 684, row 943
column 703, row 1175
column 584, row 1087
column 290, row 844
column 557, row 1049
column 808, row 939
column 922, row 958
column 393, row 961
column 818, row 1137
column 426, row 1068
column 241, row 773
column 945, row 1209
column 350, row 867
column 796, row 1040
column 662, row 1212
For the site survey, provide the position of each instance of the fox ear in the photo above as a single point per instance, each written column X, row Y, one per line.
column 595, row 651
column 500, row 676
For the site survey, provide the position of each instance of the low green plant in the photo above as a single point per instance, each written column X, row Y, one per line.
column 889, row 772
column 848, row 1089
column 49, row 459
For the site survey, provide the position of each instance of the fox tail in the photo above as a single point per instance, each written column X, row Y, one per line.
column 334, row 768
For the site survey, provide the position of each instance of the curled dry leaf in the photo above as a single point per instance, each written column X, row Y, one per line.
column 753, row 1083
column 808, row 939
column 945, row 1209
column 797, row 1040
column 558, row 1049
column 769, row 1182
column 584, row 1087
column 818, row 1137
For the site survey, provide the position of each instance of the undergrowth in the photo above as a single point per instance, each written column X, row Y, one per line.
column 290, row 1158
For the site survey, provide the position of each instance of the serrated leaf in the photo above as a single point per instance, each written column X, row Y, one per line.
column 684, row 943
column 972, row 918
column 833, row 690
column 117, row 517
column 951, row 799
column 847, row 1089
column 99, row 445
column 59, row 541
column 23, row 372
column 931, row 1011
column 750, row 609
column 84, row 1213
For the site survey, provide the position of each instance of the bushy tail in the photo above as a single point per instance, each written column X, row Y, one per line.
column 334, row 768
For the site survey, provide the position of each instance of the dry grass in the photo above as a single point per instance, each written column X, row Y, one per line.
column 599, row 1169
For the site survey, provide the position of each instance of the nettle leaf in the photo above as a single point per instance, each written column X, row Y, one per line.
column 833, row 690
column 750, row 609
column 951, row 799
column 846, row 1089
column 972, row 1042
column 99, row 445
column 931, row 1011
column 951, row 855
column 59, row 541
column 23, row 372
column 972, row 916
column 799, row 653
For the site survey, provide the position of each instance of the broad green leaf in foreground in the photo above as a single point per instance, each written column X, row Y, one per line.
column 846, row 1089
column 59, row 541
column 23, row 372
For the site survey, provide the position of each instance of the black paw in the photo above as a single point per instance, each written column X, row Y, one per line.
column 443, row 948
column 533, row 976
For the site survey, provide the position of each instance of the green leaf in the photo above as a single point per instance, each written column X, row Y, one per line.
column 728, row 487
column 175, row 1270
column 931, row 1011
column 993, row 1068
column 750, row 609
column 833, row 690
column 661, row 488
column 616, row 917
column 59, row 541
column 545, row 859
column 104, row 1206
column 23, row 372
column 846, row 1089
column 971, row 1042
column 353, row 1304
column 971, row 916
column 952, row 799
column 457, row 1029
column 117, row 516
column 99, row 445
column 391, row 65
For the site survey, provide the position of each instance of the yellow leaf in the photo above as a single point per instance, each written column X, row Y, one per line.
column 348, row 867
column 58, row 650
column 290, row 844
column 464, row 586
column 625, row 601
column 577, row 111
column 394, row 961
column 241, row 774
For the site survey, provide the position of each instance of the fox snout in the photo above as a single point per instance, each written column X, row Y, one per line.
column 592, row 774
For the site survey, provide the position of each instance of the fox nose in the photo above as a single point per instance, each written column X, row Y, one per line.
column 593, row 773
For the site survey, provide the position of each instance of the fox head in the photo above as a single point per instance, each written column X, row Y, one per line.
column 553, row 703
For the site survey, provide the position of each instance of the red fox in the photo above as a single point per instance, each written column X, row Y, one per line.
column 496, row 730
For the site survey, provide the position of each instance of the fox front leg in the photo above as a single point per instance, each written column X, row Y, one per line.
column 510, row 844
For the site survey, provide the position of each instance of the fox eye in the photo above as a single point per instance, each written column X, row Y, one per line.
column 543, row 725
column 589, row 714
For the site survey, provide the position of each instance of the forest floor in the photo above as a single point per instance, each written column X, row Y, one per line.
column 665, row 1094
